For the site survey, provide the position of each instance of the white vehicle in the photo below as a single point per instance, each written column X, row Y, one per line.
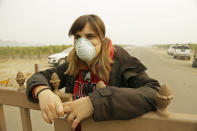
column 182, row 51
column 128, row 48
column 171, row 50
column 59, row 58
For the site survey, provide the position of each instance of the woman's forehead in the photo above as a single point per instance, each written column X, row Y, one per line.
column 86, row 30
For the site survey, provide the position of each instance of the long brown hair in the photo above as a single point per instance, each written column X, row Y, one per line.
column 102, row 63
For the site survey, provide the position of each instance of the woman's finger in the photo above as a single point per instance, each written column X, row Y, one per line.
column 67, row 103
column 67, row 109
column 46, row 117
column 60, row 110
column 53, row 111
column 49, row 114
column 71, row 117
column 75, row 123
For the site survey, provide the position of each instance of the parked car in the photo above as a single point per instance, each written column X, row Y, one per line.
column 128, row 48
column 171, row 50
column 194, row 64
column 59, row 58
column 182, row 51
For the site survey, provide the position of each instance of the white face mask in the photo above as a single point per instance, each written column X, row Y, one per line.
column 85, row 49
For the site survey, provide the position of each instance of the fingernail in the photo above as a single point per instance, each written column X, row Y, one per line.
column 62, row 117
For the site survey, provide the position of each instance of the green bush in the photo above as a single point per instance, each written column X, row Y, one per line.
column 30, row 52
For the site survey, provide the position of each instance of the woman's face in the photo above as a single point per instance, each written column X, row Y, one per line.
column 89, row 34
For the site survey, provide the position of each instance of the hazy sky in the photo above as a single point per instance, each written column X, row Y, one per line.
column 139, row 22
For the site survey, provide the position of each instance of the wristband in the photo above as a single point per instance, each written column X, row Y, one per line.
column 33, row 92
column 41, row 91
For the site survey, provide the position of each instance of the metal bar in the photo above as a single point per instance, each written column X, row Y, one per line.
column 26, row 119
column 2, row 119
column 7, row 82
column 4, row 82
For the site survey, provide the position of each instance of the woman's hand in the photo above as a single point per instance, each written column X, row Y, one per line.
column 78, row 110
column 100, row 84
column 50, row 105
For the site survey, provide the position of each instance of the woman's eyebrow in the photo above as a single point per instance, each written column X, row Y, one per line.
column 77, row 35
column 91, row 34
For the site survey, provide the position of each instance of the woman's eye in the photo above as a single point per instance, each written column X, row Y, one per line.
column 90, row 37
column 77, row 37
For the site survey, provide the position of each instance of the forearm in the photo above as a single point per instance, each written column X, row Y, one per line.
column 43, row 79
column 33, row 82
column 114, row 103
column 38, row 90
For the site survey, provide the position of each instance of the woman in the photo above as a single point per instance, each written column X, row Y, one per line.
column 106, row 82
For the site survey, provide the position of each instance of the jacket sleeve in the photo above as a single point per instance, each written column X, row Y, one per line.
column 122, row 103
column 43, row 78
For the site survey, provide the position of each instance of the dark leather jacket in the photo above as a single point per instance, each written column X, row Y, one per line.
column 131, row 92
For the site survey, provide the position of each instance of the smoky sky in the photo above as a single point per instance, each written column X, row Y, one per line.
column 138, row 22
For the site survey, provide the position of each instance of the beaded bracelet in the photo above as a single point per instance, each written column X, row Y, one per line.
column 41, row 91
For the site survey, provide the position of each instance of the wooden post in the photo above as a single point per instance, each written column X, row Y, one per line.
column 2, row 119
column 26, row 119
column 20, row 79
column 61, row 125
column 36, row 68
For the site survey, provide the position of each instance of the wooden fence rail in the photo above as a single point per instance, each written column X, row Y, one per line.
column 14, row 97
column 149, row 122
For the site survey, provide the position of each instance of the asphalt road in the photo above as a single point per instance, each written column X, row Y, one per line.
column 177, row 74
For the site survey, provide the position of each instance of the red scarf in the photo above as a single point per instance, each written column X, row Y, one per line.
column 81, row 85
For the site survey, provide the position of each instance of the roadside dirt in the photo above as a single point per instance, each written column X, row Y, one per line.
column 10, row 67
